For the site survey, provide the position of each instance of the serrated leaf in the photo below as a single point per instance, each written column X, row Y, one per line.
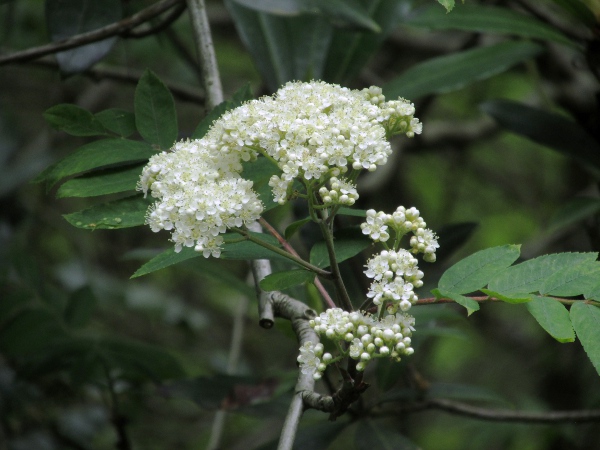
column 512, row 299
column 95, row 155
column 378, row 434
column 551, row 130
column 448, row 4
column 242, row 95
column 118, row 121
column 108, row 181
column 586, row 321
column 572, row 281
column 66, row 18
column 74, row 120
column 488, row 19
column 593, row 292
column 155, row 116
column 165, row 259
column 475, row 271
column 235, row 249
column 282, row 280
column 529, row 276
column 347, row 243
column 553, row 317
column 455, row 71
column 80, row 307
column 124, row 213
column 470, row 304
column 575, row 210
column 295, row 226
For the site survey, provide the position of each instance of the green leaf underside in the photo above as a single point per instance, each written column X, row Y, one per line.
column 123, row 213
column 470, row 304
column 586, row 321
column 97, row 154
column 277, row 7
column 155, row 116
column 235, row 250
column 448, row 4
column 575, row 210
column 109, row 181
column 347, row 243
column 452, row 72
column 572, row 281
column 74, row 120
column 529, row 276
column 475, row 271
column 553, row 317
column 507, row 298
column 283, row 280
column 548, row 129
column 378, row 434
column 118, row 121
column 295, row 226
column 488, row 19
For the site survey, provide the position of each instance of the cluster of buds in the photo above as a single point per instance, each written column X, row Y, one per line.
column 357, row 335
column 340, row 192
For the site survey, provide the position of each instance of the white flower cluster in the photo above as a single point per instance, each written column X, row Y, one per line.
column 316, row 130
column 402, row 221
column 341, row 192
column 201, row 194
column 358, row 335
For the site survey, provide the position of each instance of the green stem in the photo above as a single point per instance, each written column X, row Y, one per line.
column 273, row 248
column 335, row 269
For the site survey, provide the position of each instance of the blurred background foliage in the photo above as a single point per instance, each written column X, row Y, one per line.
column 93, row 360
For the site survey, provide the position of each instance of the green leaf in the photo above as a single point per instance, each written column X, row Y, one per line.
column 529, row 276
column 74, row 120
column 124, row 213
column 80, row 307
column 345, row 211
column 578, row 10
column 283, row 280
column 347, row 243
column 470, row 304
column 260, row 172
column 572, row 281
column 380, row 434
column 348, row 13
column 166, row 259
column 118, row 121
column 489, row 19
column 155, row 116
column 277, row 7
column 575, row 210
column 475, row 271
column 242, row 95
column 97, row 154
column 512, row 299
column 108, row 181
column 248, row 249
column 553, row 317
column 283, row 48
column 452, row 72
column 464, row 392
column 295, row 226
column 586, row 321
column 140, row 360
column 593, row 292
column 66, row 18
column 548, row 129
column 448, row 4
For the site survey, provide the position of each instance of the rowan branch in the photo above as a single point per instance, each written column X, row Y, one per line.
column 99, row 34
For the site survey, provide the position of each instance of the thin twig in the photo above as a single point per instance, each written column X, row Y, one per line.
column 99, row 34
column 206, row 52
column 286, row 245
column 496, row 415
column 154, row 29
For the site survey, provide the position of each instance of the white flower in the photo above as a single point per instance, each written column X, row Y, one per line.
column 309, row 358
